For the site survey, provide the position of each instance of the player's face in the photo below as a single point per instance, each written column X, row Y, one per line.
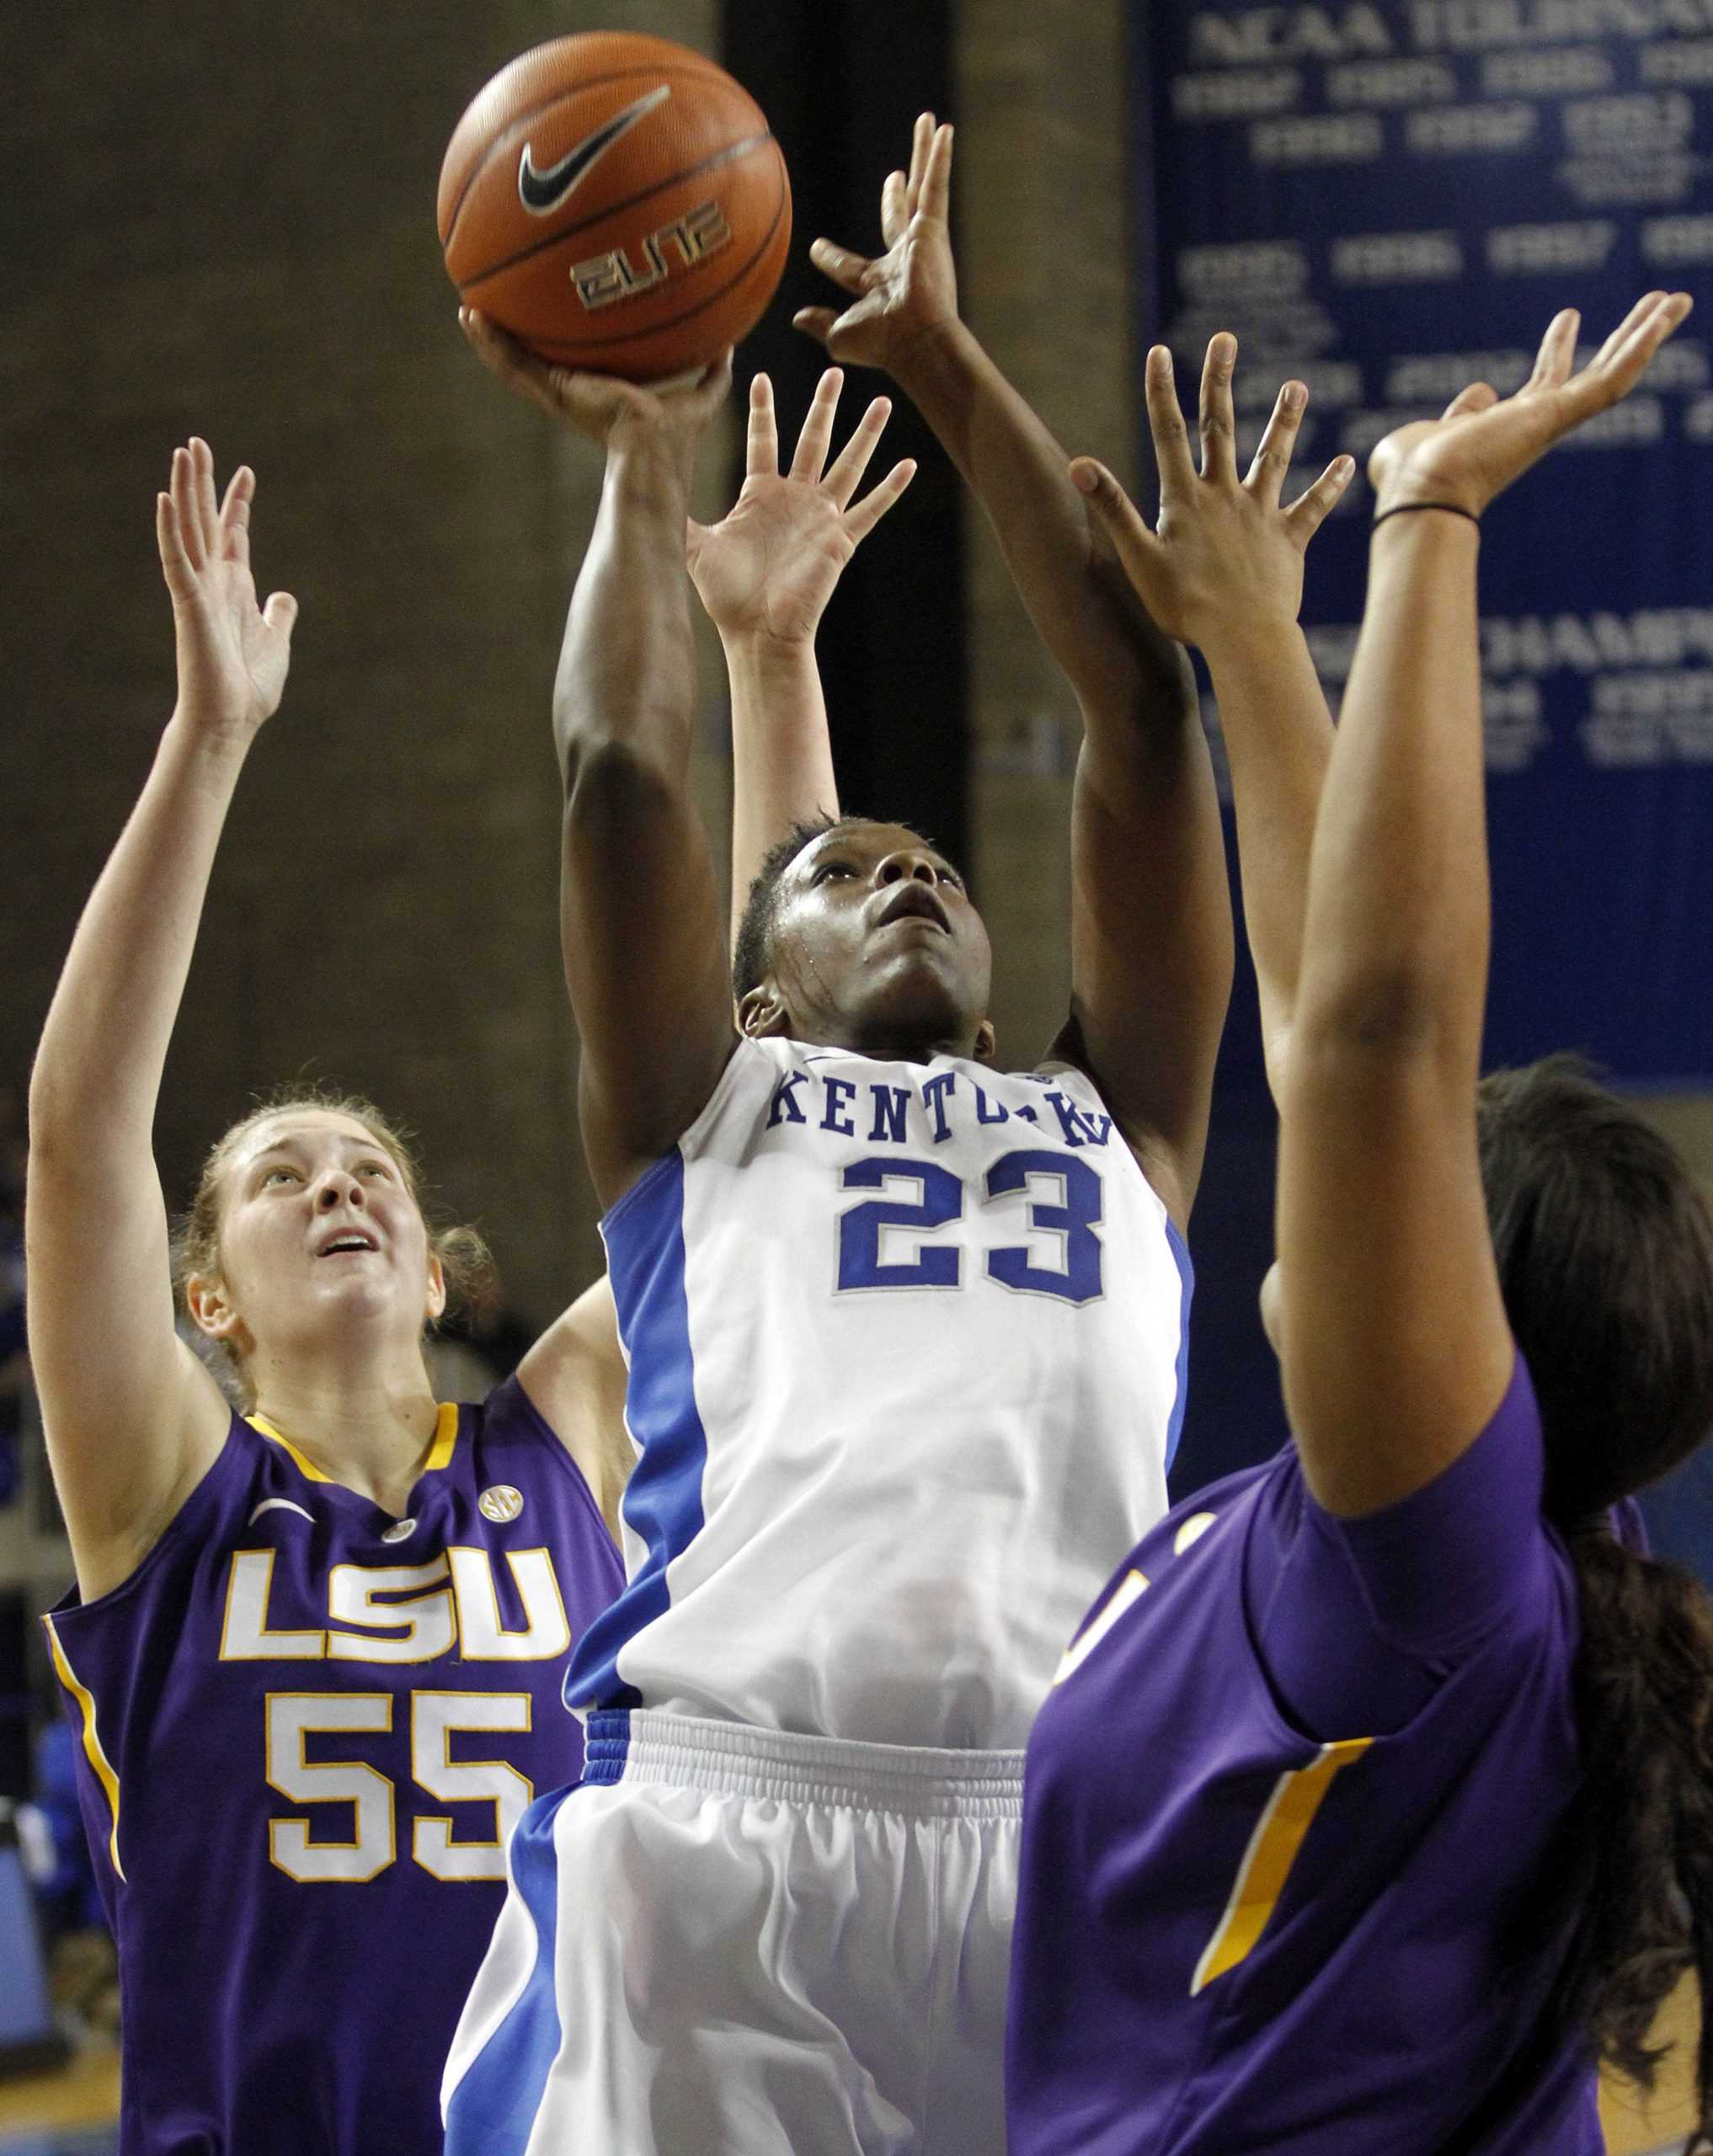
column 876, row 947
column 318, row 1230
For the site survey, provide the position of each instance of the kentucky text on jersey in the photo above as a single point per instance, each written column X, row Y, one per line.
column 906, row 1346
column 900, row 1115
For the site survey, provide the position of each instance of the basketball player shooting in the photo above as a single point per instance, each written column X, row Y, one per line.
column 905, row 1336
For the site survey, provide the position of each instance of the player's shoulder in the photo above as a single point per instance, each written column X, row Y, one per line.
column 215, row 1510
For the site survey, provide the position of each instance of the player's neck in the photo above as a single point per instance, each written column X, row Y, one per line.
column 369, row 1428
column 888, row 1044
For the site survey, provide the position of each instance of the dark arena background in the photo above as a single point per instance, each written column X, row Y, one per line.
column 220, row 220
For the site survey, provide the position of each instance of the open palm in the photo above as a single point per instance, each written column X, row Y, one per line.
column 1482, row 443
column 233, row 655
column 769, row 567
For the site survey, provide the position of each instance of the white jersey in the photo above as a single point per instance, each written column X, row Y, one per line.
column 906, row 1345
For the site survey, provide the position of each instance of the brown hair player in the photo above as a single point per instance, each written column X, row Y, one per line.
column 314, row 1656
column 1372, row 1805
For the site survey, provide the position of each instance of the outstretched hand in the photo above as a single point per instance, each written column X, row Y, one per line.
column 910, row 292
column 1224, row 552
column 233, row 655
column 598, row 406
column 1482, row 443
column 769, row 567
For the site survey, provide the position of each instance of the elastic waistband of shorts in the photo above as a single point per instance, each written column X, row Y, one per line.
column 736, row 1758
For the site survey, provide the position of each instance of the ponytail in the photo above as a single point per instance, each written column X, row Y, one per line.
column 1634, row 1863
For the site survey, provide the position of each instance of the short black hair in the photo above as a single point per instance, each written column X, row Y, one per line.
column 751, row 953
column 1605, row 1255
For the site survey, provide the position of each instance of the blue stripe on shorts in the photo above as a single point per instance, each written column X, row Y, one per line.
column 493, row 2110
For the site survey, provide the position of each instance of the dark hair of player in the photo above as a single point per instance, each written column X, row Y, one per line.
column 465, row 1259
column 751, row 953
column 1605, row 1256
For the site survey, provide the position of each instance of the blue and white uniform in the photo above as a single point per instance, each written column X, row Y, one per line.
column 907, row 1344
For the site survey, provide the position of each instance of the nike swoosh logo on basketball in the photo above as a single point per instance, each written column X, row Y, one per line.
column 541, row 191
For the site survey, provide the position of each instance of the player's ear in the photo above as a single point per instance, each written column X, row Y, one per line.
column 436, row 1287
column 986, row 1042
column 212, row 1311
column 762, row 1015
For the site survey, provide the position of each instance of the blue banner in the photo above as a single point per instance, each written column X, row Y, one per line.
column 1391, row 200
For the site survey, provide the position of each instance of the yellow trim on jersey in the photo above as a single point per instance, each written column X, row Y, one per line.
column 91, row 1742
column 1266, row 1862
column 439, row 1451
column 307, row 1468
column 445, row 1437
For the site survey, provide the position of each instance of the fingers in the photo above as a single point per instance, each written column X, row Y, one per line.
column 1478, row 397
column 762, row 446
column 235, row 516
column 1136, row 546
column 845, row 476
column 921, row 136
column 1640, row 313
column 936, row 196
column 1620, row 362
column 280, row 614
column 861, row 520
column 175, row 565
column 816, row 435
column 1218, row 422
column 1171, row 449
column 207, row 503
column 893, row 219
column 847, row 270
column 816, row 321
column 1558, row 351
column 700, row 398
column 1266, row 476
column 186, row 511
column 504, row 355
column 1625, row 356
column 1308, row 512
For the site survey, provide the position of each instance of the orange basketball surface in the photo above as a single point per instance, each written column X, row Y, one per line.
column 618, row 203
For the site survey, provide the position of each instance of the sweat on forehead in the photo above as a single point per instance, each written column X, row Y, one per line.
column 868, row 834
column 794, row 854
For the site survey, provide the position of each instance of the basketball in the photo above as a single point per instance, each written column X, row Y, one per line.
column 618, row 203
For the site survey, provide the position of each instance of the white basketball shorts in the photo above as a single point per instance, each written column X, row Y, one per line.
column 730, row 1941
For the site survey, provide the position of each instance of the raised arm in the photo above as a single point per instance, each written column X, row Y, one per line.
column 132, row 1419
column 640, row 924
column 1394, row 1341
column 764, row 574
column 1224, row 571
column 1151, row 930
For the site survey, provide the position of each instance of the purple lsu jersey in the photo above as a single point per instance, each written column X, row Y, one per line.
column 1286, row 1824
column 306, row 1730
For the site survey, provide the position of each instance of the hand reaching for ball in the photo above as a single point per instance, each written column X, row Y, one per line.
column 600, row 406
column 908, row 294
column 1482, row 443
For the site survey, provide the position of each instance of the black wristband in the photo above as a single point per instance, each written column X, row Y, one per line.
column 1409, row 509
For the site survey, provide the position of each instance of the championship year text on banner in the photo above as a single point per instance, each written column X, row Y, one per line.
column 1390, row 200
